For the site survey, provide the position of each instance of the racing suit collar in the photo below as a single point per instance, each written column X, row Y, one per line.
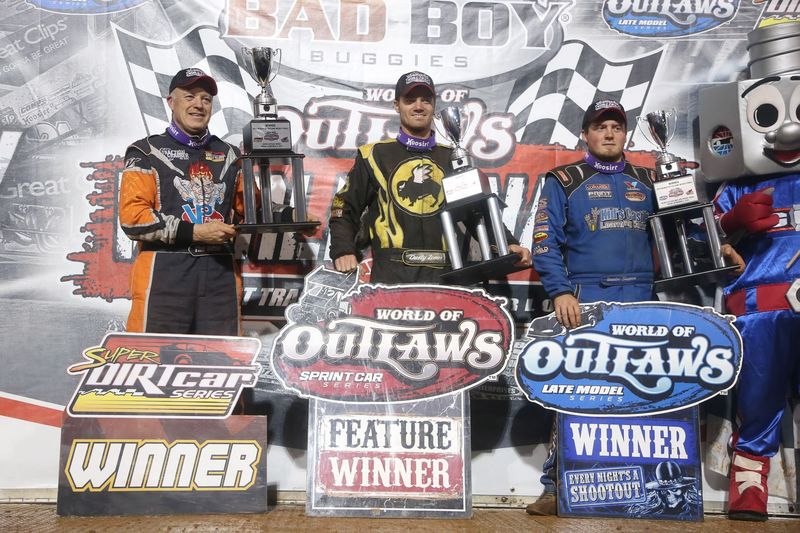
column 184, row 138
column 417, row 144
column 603, row 166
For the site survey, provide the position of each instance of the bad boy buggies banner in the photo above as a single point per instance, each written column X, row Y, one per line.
column 630, row 359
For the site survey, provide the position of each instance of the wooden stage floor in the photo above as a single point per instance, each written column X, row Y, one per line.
column 41, row 518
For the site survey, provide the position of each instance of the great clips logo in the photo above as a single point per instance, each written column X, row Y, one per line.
column 372, row 343
column 85, row 7
column 630, row 359
column 667, row 18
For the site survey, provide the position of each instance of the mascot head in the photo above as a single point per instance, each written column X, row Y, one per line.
column 752, row 127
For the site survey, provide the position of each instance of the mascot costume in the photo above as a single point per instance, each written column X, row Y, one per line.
column 750, row 141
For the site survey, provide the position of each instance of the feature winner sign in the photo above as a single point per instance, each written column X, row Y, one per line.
column 387, row 369
column 623, row 362
column 123, row 452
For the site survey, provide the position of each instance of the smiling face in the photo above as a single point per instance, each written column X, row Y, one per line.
column 191, row 108
column 772, row 107
column 605, row 139
column 416, row 109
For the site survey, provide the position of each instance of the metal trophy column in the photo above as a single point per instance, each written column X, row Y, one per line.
column 267, row 139
column 677, row 203
column 469, row 198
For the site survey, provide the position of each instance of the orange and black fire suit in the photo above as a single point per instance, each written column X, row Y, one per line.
column 178, row 286
column 402, row 192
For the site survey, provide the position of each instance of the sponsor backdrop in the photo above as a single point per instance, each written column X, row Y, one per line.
column 80, row 80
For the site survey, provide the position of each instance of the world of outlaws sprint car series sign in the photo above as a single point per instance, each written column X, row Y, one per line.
column 630, row 359
column 373, row 343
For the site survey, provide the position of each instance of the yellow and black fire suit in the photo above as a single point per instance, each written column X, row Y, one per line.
column 402, row 192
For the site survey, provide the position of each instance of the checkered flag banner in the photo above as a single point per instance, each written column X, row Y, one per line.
column 152, row 65
column 550, row 109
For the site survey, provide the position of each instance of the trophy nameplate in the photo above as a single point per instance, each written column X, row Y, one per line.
column 465, row 184
column 675, row 192
column 268, row 136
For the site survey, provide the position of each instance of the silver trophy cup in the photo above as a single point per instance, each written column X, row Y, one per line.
column 267, row 142
column 677, row 203
column 264, row 105
column 468, row 196
column 455, row 124
column 658, row 128
column 674, row 187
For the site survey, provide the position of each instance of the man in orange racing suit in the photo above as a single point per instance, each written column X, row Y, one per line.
column 178, row 196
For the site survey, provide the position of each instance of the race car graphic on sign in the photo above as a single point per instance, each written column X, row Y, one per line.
column 372, row 343
column 630, row 359
column 168, row 376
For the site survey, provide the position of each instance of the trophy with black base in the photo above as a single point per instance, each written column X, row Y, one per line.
column 469, row 198
column 677, row 203
column 267, row 141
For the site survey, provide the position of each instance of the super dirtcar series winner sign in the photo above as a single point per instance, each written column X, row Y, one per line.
column 387, row 369
column 148, row 429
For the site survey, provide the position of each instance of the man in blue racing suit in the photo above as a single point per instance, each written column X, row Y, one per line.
column 590, row 234
column 590, row 237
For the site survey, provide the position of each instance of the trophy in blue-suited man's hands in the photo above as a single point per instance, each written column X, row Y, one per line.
column 677, row 202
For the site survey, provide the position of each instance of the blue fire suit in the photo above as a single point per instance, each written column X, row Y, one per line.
column 591, row 240
column 770, row 329
column 590, row 235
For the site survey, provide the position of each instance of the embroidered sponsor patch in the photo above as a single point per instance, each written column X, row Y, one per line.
column 619, row 218
column 173, row 153
column 216, row 157
column 424, row 257
column 539, row 237
column 635, row 196
column 600, row 194
column 539, row 250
